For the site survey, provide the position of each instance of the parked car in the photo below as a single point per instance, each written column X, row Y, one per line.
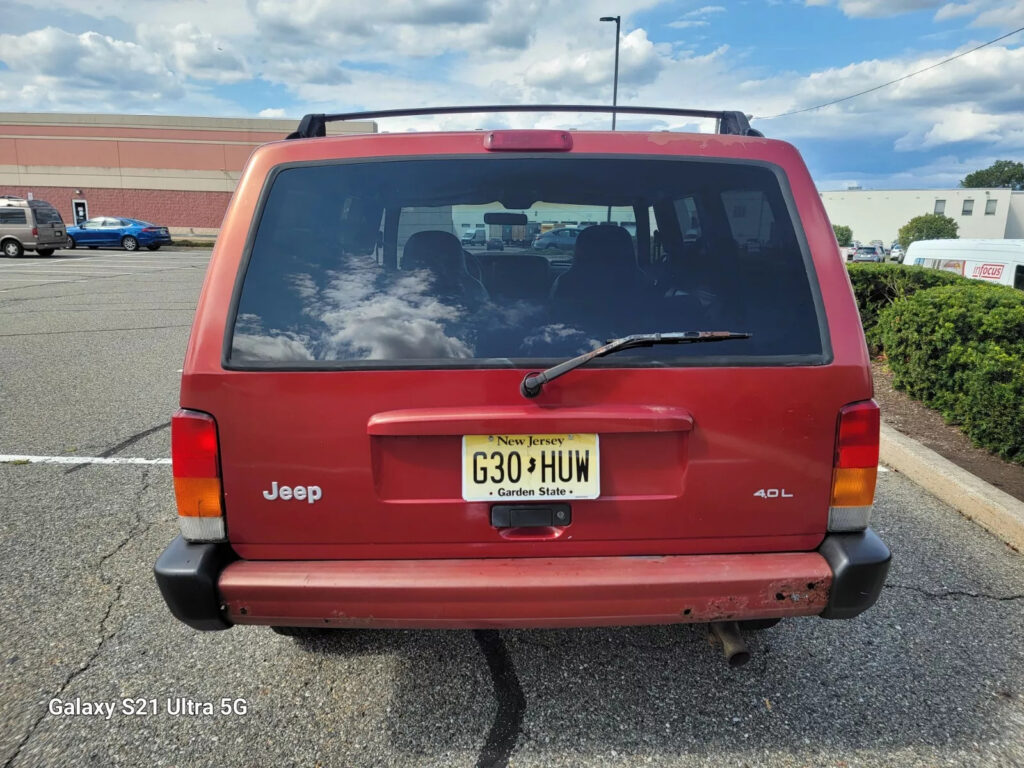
column 29, row 225
column 495, row 244
column 869, row 253
column 560, row 239
column 374, row 437
column 896, row 253
column 117, row 232
column 476, row 237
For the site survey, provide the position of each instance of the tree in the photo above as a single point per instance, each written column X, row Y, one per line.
column 931, row 226
column 1002, row 173
column 843, row 234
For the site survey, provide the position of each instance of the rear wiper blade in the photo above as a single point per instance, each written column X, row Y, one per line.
column 534, row 382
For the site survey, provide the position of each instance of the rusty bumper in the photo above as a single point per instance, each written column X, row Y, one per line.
column 207, row 588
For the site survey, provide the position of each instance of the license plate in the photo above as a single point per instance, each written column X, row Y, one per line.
column 530, row 467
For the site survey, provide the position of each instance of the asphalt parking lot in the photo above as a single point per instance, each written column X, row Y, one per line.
column 91, row 344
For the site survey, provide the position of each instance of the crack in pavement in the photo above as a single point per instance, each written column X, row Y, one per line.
column 137, row 528
column 123, row 444
column 508, row 719
column 954, row 593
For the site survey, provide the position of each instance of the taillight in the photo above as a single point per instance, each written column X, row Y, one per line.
column 195, row 461
column 149, row 229
column 855, row 467
column 35, row 231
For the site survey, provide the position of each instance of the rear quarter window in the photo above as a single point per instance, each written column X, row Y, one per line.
column 363, row 264
column 13, row 216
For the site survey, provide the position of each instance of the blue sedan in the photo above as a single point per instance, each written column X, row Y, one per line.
column 106, row 231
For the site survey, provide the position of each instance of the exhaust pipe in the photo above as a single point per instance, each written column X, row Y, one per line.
column 728, row 633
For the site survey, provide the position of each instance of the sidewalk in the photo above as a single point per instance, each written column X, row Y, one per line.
column 991, row 508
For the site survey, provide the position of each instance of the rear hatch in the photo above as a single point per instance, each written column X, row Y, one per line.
column 371, row 402
column 50, row 226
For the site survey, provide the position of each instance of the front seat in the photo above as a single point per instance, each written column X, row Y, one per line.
column 440, row 253
column 604, row 286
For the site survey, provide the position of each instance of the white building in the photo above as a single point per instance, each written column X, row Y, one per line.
column 878, row 214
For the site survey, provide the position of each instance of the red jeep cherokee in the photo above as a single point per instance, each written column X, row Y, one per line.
column 669, row 422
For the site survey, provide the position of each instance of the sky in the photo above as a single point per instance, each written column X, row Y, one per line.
column 278, row 58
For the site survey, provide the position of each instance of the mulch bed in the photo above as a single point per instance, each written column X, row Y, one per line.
column 928, row 427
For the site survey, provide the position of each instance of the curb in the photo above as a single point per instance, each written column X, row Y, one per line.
column 993, row 509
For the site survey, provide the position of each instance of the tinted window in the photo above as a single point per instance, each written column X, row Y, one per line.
column 13, row 216
column 45, row 213
column 359, row 264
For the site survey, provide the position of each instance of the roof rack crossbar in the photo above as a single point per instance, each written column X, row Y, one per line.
column 728, row 122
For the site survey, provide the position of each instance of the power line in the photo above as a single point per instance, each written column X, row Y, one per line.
column 891, row 82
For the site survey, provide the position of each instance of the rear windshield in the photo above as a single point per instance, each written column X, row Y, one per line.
column 377, row 264
column 45, row 213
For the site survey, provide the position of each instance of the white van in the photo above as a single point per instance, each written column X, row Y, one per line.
column 995, row 261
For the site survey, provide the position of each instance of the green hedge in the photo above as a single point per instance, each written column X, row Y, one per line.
column 960, row 349
column 876, row 286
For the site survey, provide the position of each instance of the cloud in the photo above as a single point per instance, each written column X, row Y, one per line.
column 108, row 70
column 878, row 8
column 273, row 113
column 195, row 54
column 973, row 99
column 688, row 24
column 707, row 9
column 590, row 71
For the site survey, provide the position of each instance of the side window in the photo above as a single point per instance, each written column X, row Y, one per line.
column 968, row 208
column 1018, row 278
column 13, row 216
column 689, row 219
column 751, row 220
column 940, row 207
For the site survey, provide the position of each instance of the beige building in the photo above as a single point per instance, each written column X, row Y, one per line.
column 878, row 214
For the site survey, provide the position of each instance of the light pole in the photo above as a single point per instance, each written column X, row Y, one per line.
column 615, row 87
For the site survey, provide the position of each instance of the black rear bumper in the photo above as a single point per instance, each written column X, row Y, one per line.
column 187, row 575
column 859, row 563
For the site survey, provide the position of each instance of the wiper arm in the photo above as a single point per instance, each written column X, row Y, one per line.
column 534, row 382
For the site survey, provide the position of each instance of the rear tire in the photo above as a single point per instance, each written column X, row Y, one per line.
column 153, row 247
column 12, row 249
column 129, row 243
column 45, row 251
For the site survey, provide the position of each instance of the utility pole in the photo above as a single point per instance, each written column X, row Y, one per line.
column 615, row 86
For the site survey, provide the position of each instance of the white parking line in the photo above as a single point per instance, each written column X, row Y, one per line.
column 31, row 280
column 25, row 459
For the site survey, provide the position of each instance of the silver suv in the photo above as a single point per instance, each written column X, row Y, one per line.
column 29, row 225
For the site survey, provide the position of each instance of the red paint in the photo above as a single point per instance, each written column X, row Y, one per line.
column 526, row 592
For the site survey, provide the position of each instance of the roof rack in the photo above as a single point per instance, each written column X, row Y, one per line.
column 729, row 122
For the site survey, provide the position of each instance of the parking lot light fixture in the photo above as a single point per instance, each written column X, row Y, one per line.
column 615, row 86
